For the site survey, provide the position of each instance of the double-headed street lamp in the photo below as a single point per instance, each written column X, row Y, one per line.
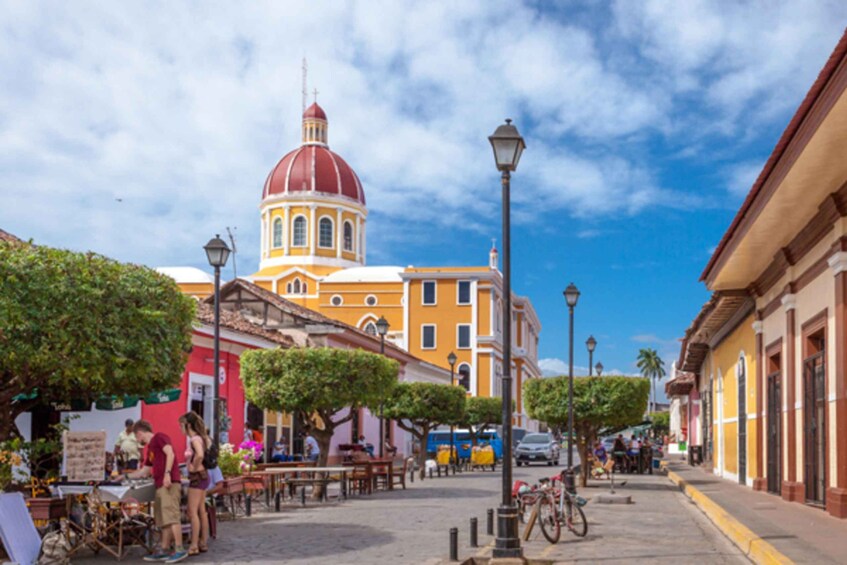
column 508, row 146
column 451, row 359
column 382, row 326
column 591, row 344
column 571, row 297
column 217, row 252
column 599, row 368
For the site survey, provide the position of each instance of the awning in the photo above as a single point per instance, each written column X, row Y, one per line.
column 681, row 385
column 111, row 402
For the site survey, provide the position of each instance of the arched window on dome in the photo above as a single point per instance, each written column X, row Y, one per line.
column 326, row 234
column 299, row 236
column 348, row 236
column 277, row 235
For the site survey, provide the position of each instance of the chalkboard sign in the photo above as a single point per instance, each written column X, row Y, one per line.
column 85, row 456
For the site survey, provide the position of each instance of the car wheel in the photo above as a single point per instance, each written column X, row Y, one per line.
column 550, row 463
column 518, row 463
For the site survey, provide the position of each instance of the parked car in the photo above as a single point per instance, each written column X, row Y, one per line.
column 537, row 448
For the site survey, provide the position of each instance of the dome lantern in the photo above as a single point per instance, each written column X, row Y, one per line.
column 314, row 125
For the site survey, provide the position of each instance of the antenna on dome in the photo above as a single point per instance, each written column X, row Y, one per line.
column 305, row 89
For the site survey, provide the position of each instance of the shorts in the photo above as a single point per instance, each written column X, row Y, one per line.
column 198, row 480
column 166, row 513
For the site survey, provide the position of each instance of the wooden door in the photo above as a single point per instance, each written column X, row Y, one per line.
column 774, row 433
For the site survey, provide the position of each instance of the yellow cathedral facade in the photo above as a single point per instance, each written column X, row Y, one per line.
column 313, row 221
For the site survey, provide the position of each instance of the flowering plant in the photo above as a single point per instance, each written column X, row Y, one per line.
column 230, row 461
column 8, row 460
column 255, row 448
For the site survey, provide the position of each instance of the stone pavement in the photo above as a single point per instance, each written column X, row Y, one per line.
column 801, row 533
column 412, row 527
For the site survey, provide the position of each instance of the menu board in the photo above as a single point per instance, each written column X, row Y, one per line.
column 85, row 456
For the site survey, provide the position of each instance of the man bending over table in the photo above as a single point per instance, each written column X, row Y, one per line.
column 160, row 463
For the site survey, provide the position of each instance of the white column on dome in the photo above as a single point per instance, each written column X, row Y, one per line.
column 364, row 241
column 286, row 233
column 358, row 236
column 339, row 234
column 263, row 231
column 312, row 227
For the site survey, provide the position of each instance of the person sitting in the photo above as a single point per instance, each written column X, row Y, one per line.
column 601, row 462
column 390, row 450
column 366, row 446
column 280, row 452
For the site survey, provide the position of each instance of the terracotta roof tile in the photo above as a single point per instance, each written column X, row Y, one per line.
column 238, row 323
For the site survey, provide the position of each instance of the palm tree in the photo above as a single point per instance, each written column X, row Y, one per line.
column 652, row 367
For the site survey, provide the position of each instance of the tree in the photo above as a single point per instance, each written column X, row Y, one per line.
column 80, row 325
column 652, row 367
column 481, row 412
column 599, row 402
column 420, row 407
column 661, row 422
column 322, row 387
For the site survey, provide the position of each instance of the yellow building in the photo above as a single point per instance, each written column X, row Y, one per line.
column 313, row 219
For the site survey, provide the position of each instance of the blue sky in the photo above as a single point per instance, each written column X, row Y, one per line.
column 646, row 123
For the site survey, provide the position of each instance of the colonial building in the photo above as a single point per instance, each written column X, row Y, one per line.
column 313, row 220
column 768, row 353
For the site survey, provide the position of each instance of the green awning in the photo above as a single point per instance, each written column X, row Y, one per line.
column 163, row 397
column 117, row 402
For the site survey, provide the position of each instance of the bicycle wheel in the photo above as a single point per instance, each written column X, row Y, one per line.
column 547, row 518
column 525, row 505
column 575, row 519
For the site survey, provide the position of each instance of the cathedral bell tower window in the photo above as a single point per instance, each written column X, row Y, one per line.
column 299, row 236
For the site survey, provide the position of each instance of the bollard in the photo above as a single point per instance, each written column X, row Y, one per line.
column 454, row 544
column 277, row 500
column 489, row 523
column 303, row 496
column 474, row 536
column 248, row 505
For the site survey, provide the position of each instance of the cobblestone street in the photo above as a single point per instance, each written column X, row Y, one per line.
column 411, row 527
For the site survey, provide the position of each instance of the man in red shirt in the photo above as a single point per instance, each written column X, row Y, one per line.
column 160, row 463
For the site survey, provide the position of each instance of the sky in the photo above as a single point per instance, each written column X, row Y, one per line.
column 139, row 130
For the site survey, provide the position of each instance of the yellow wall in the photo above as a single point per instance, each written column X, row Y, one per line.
column 445, row 315
column 312, row 232
column 353, row 309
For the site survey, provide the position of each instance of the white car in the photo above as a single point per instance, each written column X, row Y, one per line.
column 537, row 448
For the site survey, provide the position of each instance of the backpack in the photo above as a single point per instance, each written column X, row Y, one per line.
column 55, row 549
column 210, row 456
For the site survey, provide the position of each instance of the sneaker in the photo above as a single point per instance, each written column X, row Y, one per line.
column 159, row 556
column 177, row 556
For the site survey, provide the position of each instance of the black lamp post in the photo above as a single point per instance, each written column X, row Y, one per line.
column 451, row 359
column 590, row 344
column 217, row 252
column 599, row 368
column 571, row 297
column 508, row 146
column 382, row 326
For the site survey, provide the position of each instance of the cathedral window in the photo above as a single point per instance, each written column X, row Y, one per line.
column 325, row 230
column 295, row 288
column 336, row 300
column 463, row 292
column 277, row 235
column 299, row 237
column 370, row 300
column 464, row 379
column 348, row 236
column 463, row 336
column 370, row 329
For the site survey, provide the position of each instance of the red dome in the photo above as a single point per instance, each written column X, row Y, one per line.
column 314, row 168
column 315, row 111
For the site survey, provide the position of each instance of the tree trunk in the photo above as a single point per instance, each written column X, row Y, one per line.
column 584, row 441
column 8, row 430
column 424, row 434
column 324, row 439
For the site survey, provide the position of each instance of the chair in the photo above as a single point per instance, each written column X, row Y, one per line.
column 360, row 479
column 398, row 476
column 17, row 531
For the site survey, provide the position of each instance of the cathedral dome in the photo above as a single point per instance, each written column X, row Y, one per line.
column 313, row 168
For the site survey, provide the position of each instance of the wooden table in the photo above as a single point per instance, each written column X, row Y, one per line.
column 276, row 476
column 370, row 465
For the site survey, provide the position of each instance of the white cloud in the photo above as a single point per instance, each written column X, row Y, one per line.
column 741, row 176
column 654, row 339
column 180, row 110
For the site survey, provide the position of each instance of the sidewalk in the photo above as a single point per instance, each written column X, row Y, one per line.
column 801, row 533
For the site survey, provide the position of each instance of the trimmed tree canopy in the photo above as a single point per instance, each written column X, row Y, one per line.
column 79, row 325
column 317, row 381
column 481, row 412
column 420, row 407
column 599, row 402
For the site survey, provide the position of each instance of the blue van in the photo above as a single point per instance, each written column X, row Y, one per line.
column 463, row 442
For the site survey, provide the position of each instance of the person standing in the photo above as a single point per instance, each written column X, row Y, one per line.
column 160, row 463
column 198, row 480
column 313, row 450
column 127, row 452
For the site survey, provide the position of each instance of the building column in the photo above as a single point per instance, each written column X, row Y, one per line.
column 313, row 229
column 358, row 237
column 339, row 234
column 792, row 490
column 836, row 496
column 759, row 482
column 286, row 228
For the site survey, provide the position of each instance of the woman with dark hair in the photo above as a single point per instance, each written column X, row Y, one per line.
column 198, row 477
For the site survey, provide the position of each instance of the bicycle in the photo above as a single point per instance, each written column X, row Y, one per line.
column 554, row 507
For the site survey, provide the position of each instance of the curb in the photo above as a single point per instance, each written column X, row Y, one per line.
column 754, row 547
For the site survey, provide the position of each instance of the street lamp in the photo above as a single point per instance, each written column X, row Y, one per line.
column 508, row 145
column 217, row 253
column 382, row 326
column 571, row 297
column 599, row 368
column 451, row 359
column 591, row 344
